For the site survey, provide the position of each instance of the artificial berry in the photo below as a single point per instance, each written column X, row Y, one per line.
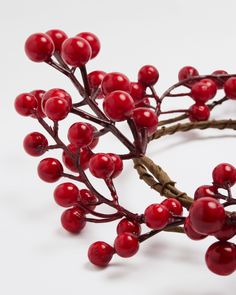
column 87, row 199
column 93, row 42
column 58, row 37
column 80, row 134
column 115, row 81
column 230, row 88
column 56, row 92
column 145, row 102
column 26, row 104
column 95, row 140
column 224, row 175
column 173, row 205
column 145, row 118
column 227, row 232
column 66, row 194
column 199, row 112
column 35, row 144
column 190, row 232
column 38, row 94
column 203, row 90
column 57, row 108
column 76, row 51
column 39, row 47
column 207, row 215
column 118, row 165
column 101, row 166
column 221, row 258
column 128, row 226
column 156, row 216
column 148, row 75
column 50, row 170
column 188, row 72
column 100, row 253
column 126, row 245
column 219, row 83
column 137, row 91
column 205, row 191
column 73, row 220
column 95, row 79
column 118, row 105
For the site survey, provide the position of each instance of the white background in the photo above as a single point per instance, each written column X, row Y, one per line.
column 36, row 255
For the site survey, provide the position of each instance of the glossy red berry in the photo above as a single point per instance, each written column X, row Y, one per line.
column 137, row 91
column 87, row 199
column 38, row 94
column 118, row 105
column 56, row 92
column 95, row 140
column 199, row 112
column 230, row 88
column 115, row 81
column 101, row 166
column 26, row 104
column 188, row 72
column 205, row 191
column 224, row 175
column 227, row 232
column 219, row 83
column 128, row 226
column 39, row 47
column 50, row 170
column 118, row 165
column 66, row 194
column 145, row 102
column 58, row 37
column 207, row 215
column 95, row 79
column 156, row 216
column 35, row 144
column 145, row 118
column 221, row 258
column 100, row 253
column 80, row 134
column 203, row 90
column 126, row 245
column 93, row 42
column 174, row 206
column 76, row 51
column 73, row 220
column 148, row 75
column 57, row 108
column 190, row 232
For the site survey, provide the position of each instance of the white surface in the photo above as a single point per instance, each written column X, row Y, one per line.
column 36, row 255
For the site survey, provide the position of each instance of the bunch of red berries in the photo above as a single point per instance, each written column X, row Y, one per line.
column 112, row 98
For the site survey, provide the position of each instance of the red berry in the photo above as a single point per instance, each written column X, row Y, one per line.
column 137, row 91
column 35, row 144
column 87, row 199
column 76, row 51
column 203, row 90
column 190, row 232
column 148, row 75
column 199, row 112
column 219, row 83
column 230, row 88
column 145, row 118
column 66, row 194
column 101, row 166
column 128, row 226
column 207, row 215
column 26, row 104
column 56, row 92
column 115, row 81
column 118, row 105
column 95, row 140
column 73, row 220
column 126, row 245
column 118, row 165
column 93, row 42
column 173, row 205
column 80, row 134
column 57, row 108
column 188, row 72
column 205, row 191
column 95, row 79
column 156, row 216
column 224, row 175
column 39, row 47
column 38, row 94
column 221, row 258
column 58, row 37
column 100, row 253
column 144, row 103
column 227, row 232
column 50, row 170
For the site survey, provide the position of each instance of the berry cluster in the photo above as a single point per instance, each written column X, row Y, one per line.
column 112, row 98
